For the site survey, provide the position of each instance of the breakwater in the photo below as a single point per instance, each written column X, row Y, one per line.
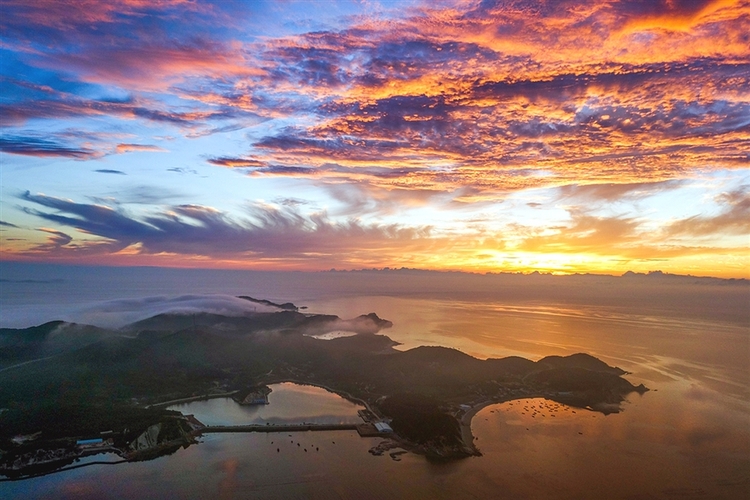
column 276, row 428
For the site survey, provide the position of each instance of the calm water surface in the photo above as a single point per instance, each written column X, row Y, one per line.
column 569, row 455
column 288, row 404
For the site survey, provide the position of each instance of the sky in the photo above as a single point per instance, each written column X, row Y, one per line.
column 482, row 136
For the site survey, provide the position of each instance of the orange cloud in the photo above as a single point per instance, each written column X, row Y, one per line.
column 457, row 107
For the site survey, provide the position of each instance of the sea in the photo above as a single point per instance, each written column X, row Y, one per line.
column 687, row 437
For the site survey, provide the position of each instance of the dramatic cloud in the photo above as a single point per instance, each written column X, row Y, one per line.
column 465, row 96
column 267, row 233
column 462, row 117
column 458, row 110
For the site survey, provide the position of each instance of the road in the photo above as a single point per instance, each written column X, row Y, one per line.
column 277, row 428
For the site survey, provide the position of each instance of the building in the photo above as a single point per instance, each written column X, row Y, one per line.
column 90, row 443
column 383, row 428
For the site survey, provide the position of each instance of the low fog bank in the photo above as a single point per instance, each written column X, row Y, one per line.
column 118, row 313
column 33, row 293
column 337, row 327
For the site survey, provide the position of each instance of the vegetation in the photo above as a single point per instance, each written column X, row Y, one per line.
column 54, row 421
column 98, row 380
column 422, row 420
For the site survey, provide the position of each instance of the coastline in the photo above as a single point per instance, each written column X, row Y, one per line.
column 62, row 469
column 342, row 394
column 203, row 397
column 465, row 424
column 467, row 437
column 206, row 397
column 465, row 421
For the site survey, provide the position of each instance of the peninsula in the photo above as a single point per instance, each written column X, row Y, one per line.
column 68, row 389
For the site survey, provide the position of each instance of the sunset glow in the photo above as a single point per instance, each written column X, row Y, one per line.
column 483, row 136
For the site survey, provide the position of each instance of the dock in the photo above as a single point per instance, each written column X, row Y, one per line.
column 276, row 428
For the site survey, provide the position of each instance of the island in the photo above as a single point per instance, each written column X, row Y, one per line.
column 69, row 390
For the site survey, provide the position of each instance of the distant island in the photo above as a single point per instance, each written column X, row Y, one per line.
column 67, row 390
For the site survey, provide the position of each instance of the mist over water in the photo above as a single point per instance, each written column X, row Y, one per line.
column 42, row 292
column 689, row 342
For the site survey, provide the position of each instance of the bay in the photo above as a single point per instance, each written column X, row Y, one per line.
column 288, row 403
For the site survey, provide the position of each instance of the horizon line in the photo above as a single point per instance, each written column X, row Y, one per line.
column 629, row 273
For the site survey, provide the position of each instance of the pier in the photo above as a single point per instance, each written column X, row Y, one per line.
column 276, row 428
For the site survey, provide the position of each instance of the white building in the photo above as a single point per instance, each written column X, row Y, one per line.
column 383, row 428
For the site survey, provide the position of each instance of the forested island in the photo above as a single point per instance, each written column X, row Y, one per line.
column 68, row 389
